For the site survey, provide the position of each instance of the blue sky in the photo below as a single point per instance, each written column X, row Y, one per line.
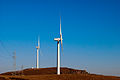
column 91, row 33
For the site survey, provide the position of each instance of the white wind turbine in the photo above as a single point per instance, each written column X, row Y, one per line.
column 38, row 51
column 58, row 49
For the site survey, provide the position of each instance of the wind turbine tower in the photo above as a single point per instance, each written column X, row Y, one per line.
column 38, row 50
column 58, row 49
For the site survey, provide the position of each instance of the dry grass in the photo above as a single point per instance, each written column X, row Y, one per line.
column 50, row 74
column 61, row 77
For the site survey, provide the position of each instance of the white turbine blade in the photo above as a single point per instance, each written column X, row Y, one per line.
column 39, row 46
column 41, row 53
column 38, row 42
column 61, row 43
column 60, row 26
column 61, row 35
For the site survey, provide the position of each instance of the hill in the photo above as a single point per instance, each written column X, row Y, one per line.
column 50, row 74
column 45, row 71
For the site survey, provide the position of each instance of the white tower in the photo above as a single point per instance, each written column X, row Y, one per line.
column 58, row 49
column 38, row 49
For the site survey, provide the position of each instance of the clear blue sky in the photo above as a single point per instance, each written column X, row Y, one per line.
column 91, row 33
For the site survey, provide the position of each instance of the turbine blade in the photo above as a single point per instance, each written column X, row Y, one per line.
column 38, row 42
column 61, row 42
column 60, row 26
column 61, row 35
column 41, row 53
column 61, row 46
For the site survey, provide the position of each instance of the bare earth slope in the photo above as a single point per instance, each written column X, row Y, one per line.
column 50, row 74
column 46, row 71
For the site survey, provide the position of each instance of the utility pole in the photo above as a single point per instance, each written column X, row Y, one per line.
column 14, row 58
column 22, row 70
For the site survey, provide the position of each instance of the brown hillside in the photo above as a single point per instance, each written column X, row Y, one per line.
column 46, row 71
column 50, row 74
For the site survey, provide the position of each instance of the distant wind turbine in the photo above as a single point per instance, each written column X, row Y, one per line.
column 58, row 49
column 38, row 51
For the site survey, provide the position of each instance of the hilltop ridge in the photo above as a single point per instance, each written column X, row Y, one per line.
column 46, row 71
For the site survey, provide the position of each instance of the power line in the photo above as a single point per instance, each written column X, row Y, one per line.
column 4, row 48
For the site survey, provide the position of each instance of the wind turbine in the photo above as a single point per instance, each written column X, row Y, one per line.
column 38, row 50
column 58, row 49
